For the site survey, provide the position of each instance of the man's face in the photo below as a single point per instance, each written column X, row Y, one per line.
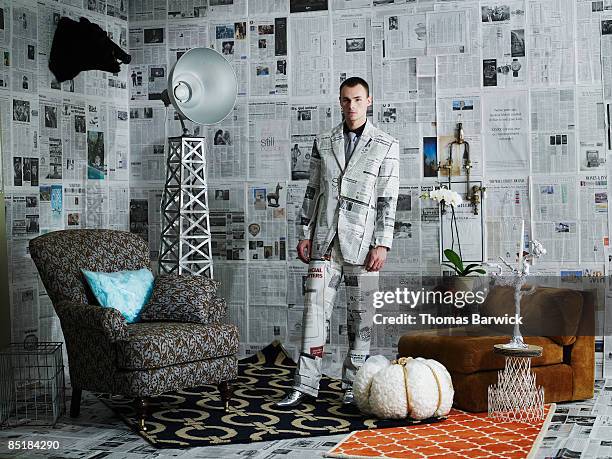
column 354, row 102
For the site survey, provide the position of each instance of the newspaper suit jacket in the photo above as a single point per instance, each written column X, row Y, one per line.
column 356, row 201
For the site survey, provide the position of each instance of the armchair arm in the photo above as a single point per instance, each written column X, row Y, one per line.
column 107, row 320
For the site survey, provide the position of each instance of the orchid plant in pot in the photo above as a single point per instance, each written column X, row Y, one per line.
column 448, row 199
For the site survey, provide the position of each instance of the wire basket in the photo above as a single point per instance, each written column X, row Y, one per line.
column 32, row 386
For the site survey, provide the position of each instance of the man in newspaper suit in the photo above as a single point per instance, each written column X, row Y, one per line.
column 346, row 230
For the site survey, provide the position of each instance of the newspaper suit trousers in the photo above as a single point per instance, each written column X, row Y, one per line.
column 322, row 283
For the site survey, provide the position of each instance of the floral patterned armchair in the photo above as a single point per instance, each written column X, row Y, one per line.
column 105, row 353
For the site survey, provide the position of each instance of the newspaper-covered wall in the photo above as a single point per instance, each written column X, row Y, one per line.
column 530, row 81
column 65, row 147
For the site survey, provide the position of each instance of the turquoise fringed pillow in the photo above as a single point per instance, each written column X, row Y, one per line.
column 126, row 291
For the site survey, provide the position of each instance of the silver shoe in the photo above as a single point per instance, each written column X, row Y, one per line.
column 295, row 397
column 349, row 397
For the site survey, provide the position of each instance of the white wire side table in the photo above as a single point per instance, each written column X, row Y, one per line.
column 516, row 397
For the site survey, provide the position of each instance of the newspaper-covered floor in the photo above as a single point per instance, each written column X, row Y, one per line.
column 581, row 429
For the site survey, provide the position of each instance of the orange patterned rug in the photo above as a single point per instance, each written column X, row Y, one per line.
column 469, row 435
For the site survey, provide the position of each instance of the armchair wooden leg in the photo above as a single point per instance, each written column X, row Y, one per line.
column 226, row 390
column 75, row 403
column 141, row 408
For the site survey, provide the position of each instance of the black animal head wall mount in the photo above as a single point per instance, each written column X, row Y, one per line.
column 80, row 46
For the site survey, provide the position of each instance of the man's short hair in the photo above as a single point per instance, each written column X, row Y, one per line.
column 354, row 81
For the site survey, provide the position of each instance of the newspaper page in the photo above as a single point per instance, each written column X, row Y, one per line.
column 268, row 140
column 378, row 54
column 352, row 50
column 50, row 137
column 119, row 218
column 469, row 226
column 457, row 72
column 553, row 126
column 591, row 128
column 505, row 132
column 307, row 121
column 18, row 254
column 74, row 139
column 297, row 272
column 98, row 205
column 74, row 206
column 267, row 321
column 399, row 79
column 555, row 225
column 551, row 41
column 461, row 71
column 405, row 34
column 407, row 229
column 5, row 34
column 5, row 63
column 30, row 169
column 147, row 141
column 97, row 141
column 118, row 83
column 117, row 9
column 233, row 278
column 97, row 6
column 227, row 205
column 227, row 144
column 447, row 32
column 148, row 71
column 182, row 37
column 6, row 176
column 507, row 203
column 453, row 156
column 25, row 134
column 147, row 10
column 503, row 44
column 50, row 208
column 25, row 41
column 606, row 54
column 267, row 302
column 48, row 18
column 230, row 39
column 399, row 120
column 227, row 8
column 593, row 216
column 96, row 81
column 24, row 313
column 145, row 217
column 589, row 42
column 268, row 7
column 426, row 90
column 267, row 221
column 430, row 232
column 118, row 132
column 310, row 56
column 268, row 64
column 187, row 9
column 24, row 215
column 295, row 197
column 349, row 4
column 268, row 285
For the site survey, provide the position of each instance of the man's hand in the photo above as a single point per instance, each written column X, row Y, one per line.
column 376, row 258
column 303, row 250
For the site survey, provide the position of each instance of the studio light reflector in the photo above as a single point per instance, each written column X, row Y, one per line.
column 202, row 86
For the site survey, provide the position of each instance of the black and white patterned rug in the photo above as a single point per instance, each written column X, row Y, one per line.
column 195, row 417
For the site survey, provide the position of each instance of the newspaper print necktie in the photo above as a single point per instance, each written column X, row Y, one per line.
column 350, row 146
